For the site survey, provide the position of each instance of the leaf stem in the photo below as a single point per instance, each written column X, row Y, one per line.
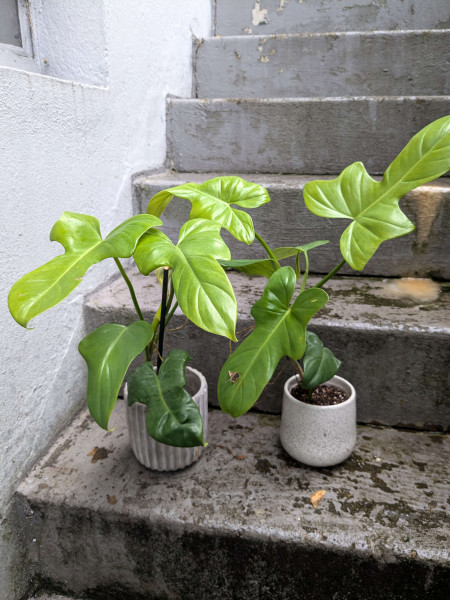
column 270, row 254
column 162, row 323
column 331, row 274
column 297, row 266
column 134, row 299
column 305, row 274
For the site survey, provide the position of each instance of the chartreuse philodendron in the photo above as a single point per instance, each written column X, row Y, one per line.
column 202, row 289
column 84, row 246
column 280, row 330
column 213, row 200
column 371, row 205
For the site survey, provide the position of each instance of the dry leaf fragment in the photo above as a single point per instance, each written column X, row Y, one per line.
column 317, row 497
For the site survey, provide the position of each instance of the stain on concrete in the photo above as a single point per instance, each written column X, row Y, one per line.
column 99, row 454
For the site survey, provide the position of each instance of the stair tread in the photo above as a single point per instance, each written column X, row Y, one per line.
column 174, row 178
column 50, row 596
column 355, row 302
column 367, row 328
column 383, row 499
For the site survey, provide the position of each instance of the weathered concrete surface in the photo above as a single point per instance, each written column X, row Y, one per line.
column 239, row 523
column 45, row 596
column 320, row 65
column 235, row 17
column 394, row 350
column 286, row 221
column 303, row 136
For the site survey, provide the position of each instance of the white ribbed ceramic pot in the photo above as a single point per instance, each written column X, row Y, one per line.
column 318, row 436
column 153, row 454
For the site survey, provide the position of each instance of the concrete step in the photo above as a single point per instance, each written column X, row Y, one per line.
column 318, row 65
column 239, row 523
column 285, row 221
column 303, row 135
column 394, row 349
column 235, row 17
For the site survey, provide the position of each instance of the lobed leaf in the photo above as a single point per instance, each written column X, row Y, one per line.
column 203, row 290
column 213, row 199
column 371, row 205
column 80, row 235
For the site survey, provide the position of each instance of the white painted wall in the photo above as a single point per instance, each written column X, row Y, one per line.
column 71, row 146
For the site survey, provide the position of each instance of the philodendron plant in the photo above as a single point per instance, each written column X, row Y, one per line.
column 191, row 278
column 281, row 315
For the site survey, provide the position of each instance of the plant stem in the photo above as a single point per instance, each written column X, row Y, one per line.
column 331, row 274
column 297, row 266
column 130, row 287
column 305, row 274
column 298, row 367
column 310, row 393
column 170, row 315
column 163, row 318
column 134, row 299
column 270, row 254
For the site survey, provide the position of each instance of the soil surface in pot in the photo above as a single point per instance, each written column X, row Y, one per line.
column 324, row 395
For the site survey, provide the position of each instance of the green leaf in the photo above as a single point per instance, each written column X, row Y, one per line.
column 201, row 286
column 173, row 417
column 266, row 267
column 288, row 251
column 80, row 235
column 108, row 352
column 258, row 267
column 319, row 363
column 373, row 206
column 213, row 199
column 280, row 330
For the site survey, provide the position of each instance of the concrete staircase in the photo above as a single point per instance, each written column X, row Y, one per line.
column 285, row 90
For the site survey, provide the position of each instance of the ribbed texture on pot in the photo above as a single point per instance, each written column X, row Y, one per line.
column 153, row 454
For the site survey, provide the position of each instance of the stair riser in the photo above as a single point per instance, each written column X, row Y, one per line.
column 120, row 558
column 352, row 64
column 285, row 221
column 399, row 371
column 236, row 17
column 294, row 136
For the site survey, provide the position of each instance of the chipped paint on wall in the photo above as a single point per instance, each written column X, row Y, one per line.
column 259, row 15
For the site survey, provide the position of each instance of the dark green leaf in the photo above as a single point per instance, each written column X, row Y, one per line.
column 173, row 417
column 108, row 352
column 319, row 363
column 280, row 330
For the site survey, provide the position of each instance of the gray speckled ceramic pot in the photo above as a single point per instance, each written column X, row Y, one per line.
column 318, row 436
column 153, row 454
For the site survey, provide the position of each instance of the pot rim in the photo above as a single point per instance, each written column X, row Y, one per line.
column 337, row 381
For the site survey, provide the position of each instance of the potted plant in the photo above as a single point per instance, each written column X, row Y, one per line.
column 317, row 427
column 163, row 412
